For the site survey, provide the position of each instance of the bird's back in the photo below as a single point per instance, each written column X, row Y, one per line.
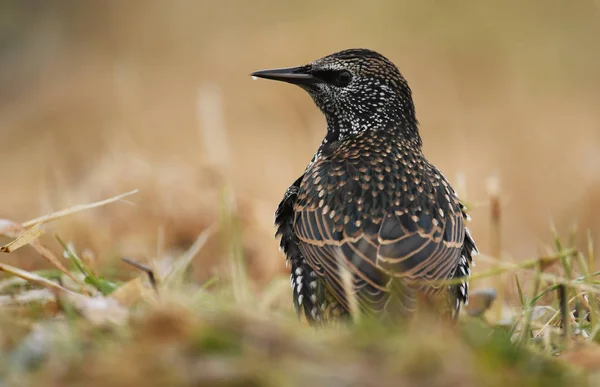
column 372, row 209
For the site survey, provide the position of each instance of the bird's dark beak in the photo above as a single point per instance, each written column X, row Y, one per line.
column 296, row 75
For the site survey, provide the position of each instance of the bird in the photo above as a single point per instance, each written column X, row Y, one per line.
column 371, row 228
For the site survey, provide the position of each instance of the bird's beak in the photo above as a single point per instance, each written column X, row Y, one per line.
column 296, row 75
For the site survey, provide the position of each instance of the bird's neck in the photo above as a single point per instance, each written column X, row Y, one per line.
column 343, row 125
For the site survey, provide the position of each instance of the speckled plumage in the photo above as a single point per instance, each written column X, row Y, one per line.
column 371, row 224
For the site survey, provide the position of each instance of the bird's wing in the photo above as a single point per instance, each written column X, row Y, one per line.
column 337, row 220
column 306, row 293
column 421, row 247
column 346, row 263
column 408, row 253
column 379, row 237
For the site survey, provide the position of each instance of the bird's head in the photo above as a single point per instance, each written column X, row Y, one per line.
column 357, row 90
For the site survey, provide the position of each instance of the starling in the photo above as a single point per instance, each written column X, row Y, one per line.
column 371, row 227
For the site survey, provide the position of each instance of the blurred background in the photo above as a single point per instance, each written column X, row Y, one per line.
column 102, row 97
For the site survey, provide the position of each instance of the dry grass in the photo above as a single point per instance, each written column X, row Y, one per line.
column 79, row 327
column 99, row 98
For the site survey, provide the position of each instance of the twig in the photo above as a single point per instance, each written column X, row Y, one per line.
column 564, row 312
column 145, row 269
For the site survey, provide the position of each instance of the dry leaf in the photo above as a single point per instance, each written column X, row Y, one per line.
column 132, row 292
column 23, row 239
column 16, row 231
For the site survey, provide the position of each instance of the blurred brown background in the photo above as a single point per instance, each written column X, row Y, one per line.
column 101, row 97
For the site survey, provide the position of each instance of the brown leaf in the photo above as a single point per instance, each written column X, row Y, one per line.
column 132, row 292
column 23, row 239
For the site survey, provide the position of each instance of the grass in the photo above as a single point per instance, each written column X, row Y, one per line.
column 74, row 326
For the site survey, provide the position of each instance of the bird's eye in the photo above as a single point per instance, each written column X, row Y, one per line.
column 343, row 78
